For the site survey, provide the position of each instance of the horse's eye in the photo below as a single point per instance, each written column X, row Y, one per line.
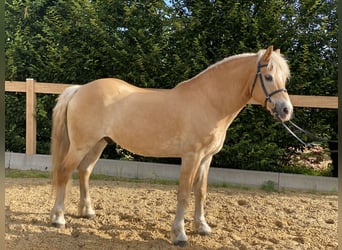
column 268, row 77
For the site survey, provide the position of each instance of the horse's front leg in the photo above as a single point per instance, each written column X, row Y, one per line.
column 187, row 174
column 200, row 189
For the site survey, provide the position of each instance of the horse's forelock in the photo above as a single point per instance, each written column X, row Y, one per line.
column 279, row 63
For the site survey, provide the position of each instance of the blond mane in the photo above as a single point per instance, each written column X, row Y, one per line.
column 230, row 58
column 277, row 62
column 217, row 64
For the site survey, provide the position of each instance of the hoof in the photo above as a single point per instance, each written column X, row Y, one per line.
column 202, row 228
column 181, row 243
column 58, row 225
column 57, row 220
column 204, row 233
column 88, row 216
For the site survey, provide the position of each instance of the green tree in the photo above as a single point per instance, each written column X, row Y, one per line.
column 72, row 42
column 152, row 44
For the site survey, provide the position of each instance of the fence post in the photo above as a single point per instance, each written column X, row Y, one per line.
column 31, row 123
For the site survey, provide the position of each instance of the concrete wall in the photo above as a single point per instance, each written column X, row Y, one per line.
column 143, row 170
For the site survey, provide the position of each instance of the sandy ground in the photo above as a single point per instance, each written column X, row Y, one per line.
column 139, row 216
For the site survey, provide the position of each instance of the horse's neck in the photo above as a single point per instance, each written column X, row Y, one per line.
column 226, row 85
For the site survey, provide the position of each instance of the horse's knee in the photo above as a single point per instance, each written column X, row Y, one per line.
column 63, row 177
column 64, row 173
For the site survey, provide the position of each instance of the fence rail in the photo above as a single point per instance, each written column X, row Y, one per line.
column 31, row 88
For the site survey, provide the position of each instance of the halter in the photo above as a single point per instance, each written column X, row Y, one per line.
column 267, row 95
column 268, row 99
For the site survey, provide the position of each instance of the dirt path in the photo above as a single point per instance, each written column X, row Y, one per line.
column 139, row 216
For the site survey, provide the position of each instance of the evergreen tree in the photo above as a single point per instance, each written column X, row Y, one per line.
column 155, row 44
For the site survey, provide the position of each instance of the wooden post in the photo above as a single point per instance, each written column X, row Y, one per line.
column 31, row 123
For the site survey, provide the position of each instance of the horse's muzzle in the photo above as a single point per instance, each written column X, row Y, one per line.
column 283, row 111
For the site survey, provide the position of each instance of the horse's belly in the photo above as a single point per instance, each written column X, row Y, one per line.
column 167, row 141
column 146, row 127
column 150, row 145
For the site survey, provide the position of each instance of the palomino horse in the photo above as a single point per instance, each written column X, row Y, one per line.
column 189, row 121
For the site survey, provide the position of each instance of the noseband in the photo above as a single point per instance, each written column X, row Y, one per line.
column 267, row 95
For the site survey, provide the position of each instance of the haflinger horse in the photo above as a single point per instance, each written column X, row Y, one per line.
column 188, row 121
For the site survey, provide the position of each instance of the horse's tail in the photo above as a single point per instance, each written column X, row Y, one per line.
column 59, row 137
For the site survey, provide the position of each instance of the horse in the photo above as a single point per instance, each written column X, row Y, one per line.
column 188, row 121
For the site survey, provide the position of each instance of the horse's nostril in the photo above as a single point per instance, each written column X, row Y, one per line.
column 286, row 111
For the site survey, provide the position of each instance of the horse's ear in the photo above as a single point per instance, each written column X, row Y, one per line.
column 268, row 53
column 277, row 51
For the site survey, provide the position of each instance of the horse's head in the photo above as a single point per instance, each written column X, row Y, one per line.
column 268, row 87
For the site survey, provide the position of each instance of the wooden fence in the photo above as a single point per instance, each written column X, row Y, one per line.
column 31, row 87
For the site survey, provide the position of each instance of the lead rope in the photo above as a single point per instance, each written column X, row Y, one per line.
column 306, row 144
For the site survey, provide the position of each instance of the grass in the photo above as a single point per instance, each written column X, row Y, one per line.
column 15, row 173
column 269, row 186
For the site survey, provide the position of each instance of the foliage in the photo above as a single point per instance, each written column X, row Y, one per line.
column 15, row 122
column 269, row 186
column 15, row 173
column 154, row 44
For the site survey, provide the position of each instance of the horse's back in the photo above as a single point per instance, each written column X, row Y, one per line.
column 125, row 113
column 111, row 87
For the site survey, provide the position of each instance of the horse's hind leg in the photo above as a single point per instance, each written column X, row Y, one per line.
column 70, row 162
column 85, row 168
column 200, row 189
